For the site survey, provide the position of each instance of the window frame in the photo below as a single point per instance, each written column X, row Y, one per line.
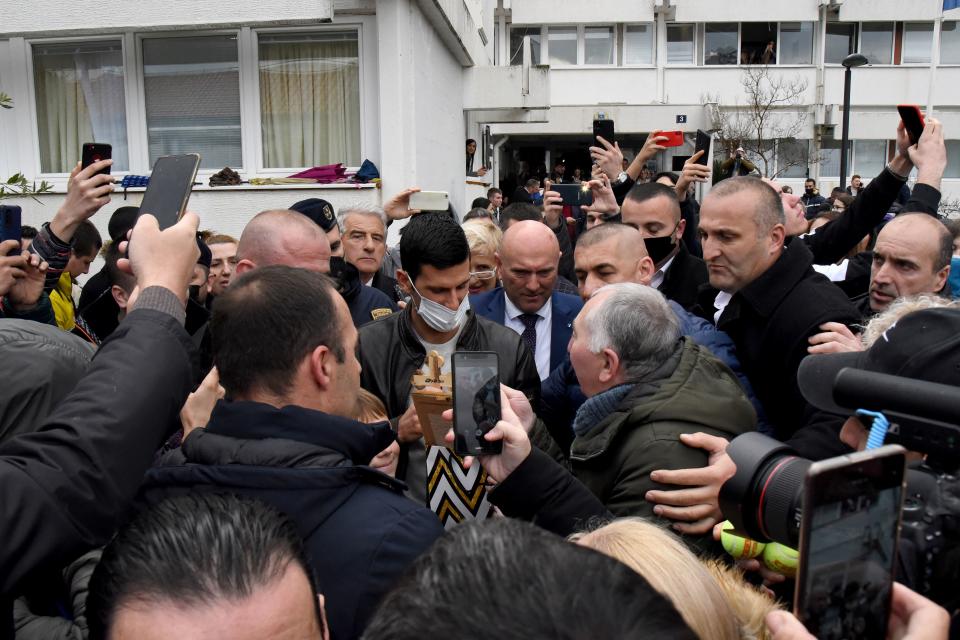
column 903, row 27
column 251, row 134
column 823, row 45
column 939, row 62
column 697, row 30
column 893, row 41
column 653, row 46
column 813, row 44
column 700, row 60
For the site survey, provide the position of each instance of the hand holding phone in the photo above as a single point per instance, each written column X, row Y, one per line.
column 430, row 200
column 95, row 152
column 10, row 227
column 849, row 534
column 912, row 120
column 603, row 128
column 575, row 195
column 673, row 138
column 476, row 402
column 169, row 188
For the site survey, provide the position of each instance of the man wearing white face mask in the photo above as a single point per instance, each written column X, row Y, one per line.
column 435, row 273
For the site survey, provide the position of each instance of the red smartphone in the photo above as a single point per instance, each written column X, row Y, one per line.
column 912, row 119
column 95, row 152
column 674, row 138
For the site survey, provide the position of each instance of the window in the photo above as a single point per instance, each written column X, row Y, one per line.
column 680, row 43
column 80, row 98
column 516, row 44
column 950, row 43
column 192, row 93
column 876, row 42
column 598, row 45
column 310, row 99
column 841, row 41
column 758, row 43
column 793, row 158
column 720, row 43
column 953, row 159
column 638, row 44
column 917, row 41
column 869, row 157
column 796, row 43
column 562, row 45
column 830, row 154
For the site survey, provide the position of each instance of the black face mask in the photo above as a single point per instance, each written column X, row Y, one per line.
column 809, row 191
column 659, row 248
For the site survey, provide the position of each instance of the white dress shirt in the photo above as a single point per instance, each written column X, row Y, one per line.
column 720, row 304
column 661, row 273
column 544, row 329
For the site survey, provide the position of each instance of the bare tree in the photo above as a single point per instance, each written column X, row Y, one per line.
column 770, row 118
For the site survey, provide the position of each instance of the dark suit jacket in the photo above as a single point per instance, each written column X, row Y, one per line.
column 491, row 305
column 684, row 278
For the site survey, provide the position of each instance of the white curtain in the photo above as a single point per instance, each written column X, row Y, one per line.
column 310, row 100
column 80, row 98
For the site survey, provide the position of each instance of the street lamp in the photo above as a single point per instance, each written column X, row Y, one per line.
column 851, row 61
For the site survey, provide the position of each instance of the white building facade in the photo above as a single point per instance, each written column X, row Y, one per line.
column 271, row 89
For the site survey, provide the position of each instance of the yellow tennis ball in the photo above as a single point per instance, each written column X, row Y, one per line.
column 739, row 547
column 781, row 558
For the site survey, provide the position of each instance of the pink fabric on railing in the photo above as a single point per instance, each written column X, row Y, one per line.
column 326, row 173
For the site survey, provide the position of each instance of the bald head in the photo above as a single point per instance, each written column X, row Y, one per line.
column 528, row 259
column 911, row 256
column 610, row 254
column 283, row 237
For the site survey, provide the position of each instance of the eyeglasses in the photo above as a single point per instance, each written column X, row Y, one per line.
column 482, row 275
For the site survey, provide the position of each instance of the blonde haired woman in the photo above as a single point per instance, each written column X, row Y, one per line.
column 713, row 599
column 484, row 238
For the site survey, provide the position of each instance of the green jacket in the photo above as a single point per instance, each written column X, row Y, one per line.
column 614, row 459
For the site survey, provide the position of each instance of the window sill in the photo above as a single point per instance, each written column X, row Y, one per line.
column 58, row 189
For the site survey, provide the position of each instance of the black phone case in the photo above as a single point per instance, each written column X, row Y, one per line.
column 604, row 129
column 95, row 152
column 169, row 188
column 913, row 121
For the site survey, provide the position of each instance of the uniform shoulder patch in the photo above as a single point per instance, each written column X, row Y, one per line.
column 382, row 312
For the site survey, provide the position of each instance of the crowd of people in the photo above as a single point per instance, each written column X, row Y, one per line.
column 217, row 437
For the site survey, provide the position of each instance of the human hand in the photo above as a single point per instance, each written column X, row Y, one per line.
column 11, row 267
column 608, row 157
column 408, row 426
column 520, row 406
column 693, row 171
column 398, row 207
column 836, row 338
column 28, row 287
column 482, row 171
column 86, row 194
column 650, row 148
column 913, row 617
column 161, row 258
column 604, row 202
column 552, row 206
column 510, row 430
column 930, row 154
column 697, row 509
column 199, row 405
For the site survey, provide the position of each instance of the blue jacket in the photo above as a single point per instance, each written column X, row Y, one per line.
column 361, row 533
column 561, row 395
column 491, row 305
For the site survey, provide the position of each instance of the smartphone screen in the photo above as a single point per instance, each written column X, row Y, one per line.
column 574, row 195
column 604, row 129
column 95, row 152
column 10, row 226
column 912, row 119
column 703, row 144
column 476, row 401
column 848, row 543
column 430, row 201
column 169, row 188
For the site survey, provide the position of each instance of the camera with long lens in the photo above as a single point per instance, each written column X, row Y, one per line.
column 763, row 499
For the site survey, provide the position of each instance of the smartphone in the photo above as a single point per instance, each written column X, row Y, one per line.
column 849, row 532
column 430, row 201
column 674, row 138
column 604, row 129
column 10, row 228
column 476, row 402
column 95, row 152
column 575, row 195
column 169, row 188
column 703, row 144
column 912, row 119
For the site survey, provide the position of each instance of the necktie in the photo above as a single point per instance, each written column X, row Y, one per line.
column 529, row 335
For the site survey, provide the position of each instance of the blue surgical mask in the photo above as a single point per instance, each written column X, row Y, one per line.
column 438, row 317
column 953, row 280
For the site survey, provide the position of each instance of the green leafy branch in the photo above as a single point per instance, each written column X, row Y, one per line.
column 17, row 186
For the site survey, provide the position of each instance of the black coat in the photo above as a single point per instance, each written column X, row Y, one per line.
column 65, row 487
column 684, row 278
column 360, row 532
column 770, row 321
column 386, row 284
